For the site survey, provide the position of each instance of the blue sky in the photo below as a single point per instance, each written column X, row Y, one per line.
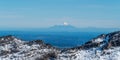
column 46, row 13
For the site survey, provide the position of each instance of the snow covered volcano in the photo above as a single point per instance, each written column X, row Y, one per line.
column 63, row 28
column 102, row 47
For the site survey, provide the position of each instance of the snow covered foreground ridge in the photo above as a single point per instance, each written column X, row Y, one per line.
column 103, row 47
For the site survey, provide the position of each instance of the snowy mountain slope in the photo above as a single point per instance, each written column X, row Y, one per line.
column 103, row 47
column 91, row 54
column 12, row 48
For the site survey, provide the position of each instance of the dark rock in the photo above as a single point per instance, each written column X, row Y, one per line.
column 113, row 40
column 3, row 52
column 35, row 42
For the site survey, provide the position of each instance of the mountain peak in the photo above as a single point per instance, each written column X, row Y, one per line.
column 63, row 26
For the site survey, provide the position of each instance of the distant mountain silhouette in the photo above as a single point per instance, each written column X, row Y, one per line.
column 63, row 28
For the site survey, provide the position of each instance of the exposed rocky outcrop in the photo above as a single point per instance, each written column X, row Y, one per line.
column 113, row 40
